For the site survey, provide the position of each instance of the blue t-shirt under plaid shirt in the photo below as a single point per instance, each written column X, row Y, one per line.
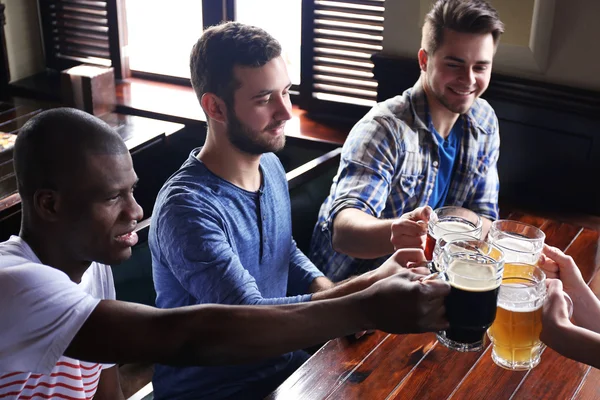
column 389, row 166
column 447, row 155
column 213, row 242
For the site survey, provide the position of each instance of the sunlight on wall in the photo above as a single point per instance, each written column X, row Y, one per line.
column 516, row 15
column 23, row 41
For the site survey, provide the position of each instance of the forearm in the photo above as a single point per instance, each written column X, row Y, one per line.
column 361, row 235
column 586, row 309
column 319, row 284
column 277, row 330
column 581, row 345
column 219, row 335
column 344, row 288
column 304, row 277
column 212, row 334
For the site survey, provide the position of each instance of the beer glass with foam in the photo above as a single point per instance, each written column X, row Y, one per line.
column 473, row 268
column 520, row 242
column 515, row 333
column 451, row 223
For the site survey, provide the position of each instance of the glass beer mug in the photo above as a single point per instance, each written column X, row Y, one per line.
column 450, row 223
column 515, row 333
column 519, row 241
column 473, row 268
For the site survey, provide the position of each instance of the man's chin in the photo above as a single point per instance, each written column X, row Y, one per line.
column 462, row 108
column 115, row 258
column 279, row 145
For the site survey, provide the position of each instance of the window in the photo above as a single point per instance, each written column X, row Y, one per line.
column 327, row 43
column 339, row 38
column 77, row 31
column 286, row 28
column 160, row 38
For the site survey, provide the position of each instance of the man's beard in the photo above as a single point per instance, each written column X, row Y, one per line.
column 249, row 141
column 460, row 109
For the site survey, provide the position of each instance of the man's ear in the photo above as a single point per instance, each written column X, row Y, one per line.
column 423, row 58
column 214, row 107
column 46, row 204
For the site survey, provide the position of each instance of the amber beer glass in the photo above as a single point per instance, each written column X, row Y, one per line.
column 450, row 223
column 473, row 268
column 515, row 334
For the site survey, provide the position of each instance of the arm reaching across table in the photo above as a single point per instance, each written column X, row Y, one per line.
column 216, row 334
column 560, row 334
column 586, row 306
column 580, row 339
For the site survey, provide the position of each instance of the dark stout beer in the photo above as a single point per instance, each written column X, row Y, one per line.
column 471, row 304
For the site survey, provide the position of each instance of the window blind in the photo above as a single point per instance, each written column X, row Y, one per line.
column 344, row 34
column 81, row 31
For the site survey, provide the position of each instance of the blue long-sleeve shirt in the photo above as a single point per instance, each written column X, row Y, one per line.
column 213, row 242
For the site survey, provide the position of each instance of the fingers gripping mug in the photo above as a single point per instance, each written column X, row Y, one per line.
column 515, row 333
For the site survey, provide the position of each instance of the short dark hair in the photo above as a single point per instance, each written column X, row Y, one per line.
column 53, row 145
column 224, row 46
column 465, row 16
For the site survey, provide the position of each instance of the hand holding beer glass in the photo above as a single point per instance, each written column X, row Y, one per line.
column 520, row 242
column 515, row 334
column 473, row 268
column 451, row 223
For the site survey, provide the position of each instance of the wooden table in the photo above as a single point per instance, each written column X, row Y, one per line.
column 384, row 366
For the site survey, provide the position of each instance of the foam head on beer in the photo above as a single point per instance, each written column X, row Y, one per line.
column 448, row 228
column 520, row 242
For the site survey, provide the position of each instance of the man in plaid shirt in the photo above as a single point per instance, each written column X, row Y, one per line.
column 435, row 145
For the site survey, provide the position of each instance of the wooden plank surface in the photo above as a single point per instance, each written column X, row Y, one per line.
column 502, row 383
column 418, row 367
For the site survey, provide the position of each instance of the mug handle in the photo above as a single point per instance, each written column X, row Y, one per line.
column 433, row 267
column 570, row 301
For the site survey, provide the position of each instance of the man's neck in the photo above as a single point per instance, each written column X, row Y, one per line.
column 52, row 254
column 227, row 162
column 442, row 119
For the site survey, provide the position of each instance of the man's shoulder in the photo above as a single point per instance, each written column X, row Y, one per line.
column 484, row 116
column 17, row 271
column 16, row 246
column 271, row 161
column 191, row 184
column 390, row 121
column 397, row 108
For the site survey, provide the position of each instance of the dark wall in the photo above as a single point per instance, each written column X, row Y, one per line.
column 550, row 138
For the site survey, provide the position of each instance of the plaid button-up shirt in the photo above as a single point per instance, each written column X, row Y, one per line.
column 389, row 166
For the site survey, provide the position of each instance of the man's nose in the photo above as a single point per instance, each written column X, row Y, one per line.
column 284, row 109
column 134, row 210
column 469, row 76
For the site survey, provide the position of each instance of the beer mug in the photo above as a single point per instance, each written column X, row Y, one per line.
column 439, row 245
column 449, row 223
column 519, row 241
column 473, row 268
column 515, row 334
